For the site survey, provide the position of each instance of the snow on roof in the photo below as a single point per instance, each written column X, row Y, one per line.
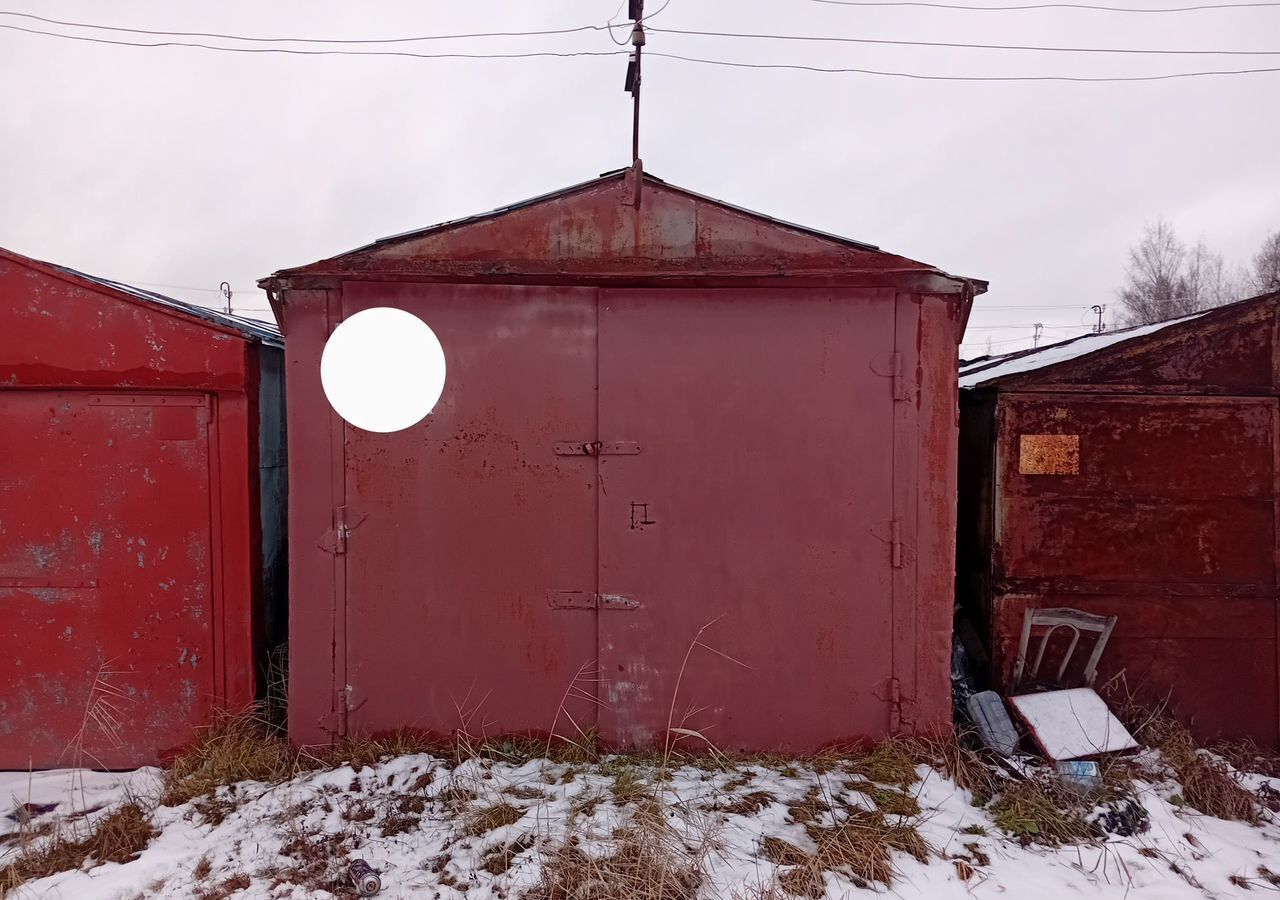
column 975, row 373
column 254, row 328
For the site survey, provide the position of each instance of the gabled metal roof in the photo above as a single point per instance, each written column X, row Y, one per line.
column 606, row 176
column 987, row 370
column 265, row 332
column 533, row 245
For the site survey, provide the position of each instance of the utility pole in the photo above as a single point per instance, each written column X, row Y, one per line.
column 1098, row 310
column 1035, row 337
column 635, row 10
column 225, row 290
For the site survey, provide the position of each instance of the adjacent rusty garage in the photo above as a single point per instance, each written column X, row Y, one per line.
column 142, row 486
column 692, row 474
column 1133, row 474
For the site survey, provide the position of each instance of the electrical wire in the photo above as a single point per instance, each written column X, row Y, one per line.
column 1084, row 6
column 923, row 77
column 298, row 52
column 292, row 51
column 853, row 40
column 292, row 40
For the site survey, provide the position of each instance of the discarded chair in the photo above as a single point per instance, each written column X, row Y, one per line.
column 1075, row 622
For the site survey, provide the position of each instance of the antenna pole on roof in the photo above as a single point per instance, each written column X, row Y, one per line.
column 225, row 290
column 635, row 11
column 1035, row 338
column 1098, row 311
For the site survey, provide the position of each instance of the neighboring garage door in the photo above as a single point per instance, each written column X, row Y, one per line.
column 106, row 576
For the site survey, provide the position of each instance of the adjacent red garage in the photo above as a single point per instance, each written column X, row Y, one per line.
column 1162, row 512
column 661, row 420
column 137, row 532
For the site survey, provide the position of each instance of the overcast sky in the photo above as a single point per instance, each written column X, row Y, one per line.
column 185, row 167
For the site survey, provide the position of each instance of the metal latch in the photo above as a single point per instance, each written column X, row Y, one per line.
column 589, row 600
column 597, row 448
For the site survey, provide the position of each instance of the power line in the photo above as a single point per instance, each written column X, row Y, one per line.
column 293, row 40
column 964, row 46
column 922, row 77
column 297, row 52
column 291, row 51
column 1085, row 6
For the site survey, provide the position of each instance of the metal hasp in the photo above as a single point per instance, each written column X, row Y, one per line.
column 655, row 418
column 141, row 516
column 586, row 600
column 1132, row 477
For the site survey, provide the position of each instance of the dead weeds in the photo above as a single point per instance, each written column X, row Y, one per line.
column 117, row 837
column 490, row 818
column 649, row 862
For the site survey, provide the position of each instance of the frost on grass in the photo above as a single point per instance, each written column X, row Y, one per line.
column 938, row 820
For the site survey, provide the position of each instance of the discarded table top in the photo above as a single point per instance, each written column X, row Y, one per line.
column 1071, row 724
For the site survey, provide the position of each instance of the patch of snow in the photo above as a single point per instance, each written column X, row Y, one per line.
column 981, row 371
column 342, row 814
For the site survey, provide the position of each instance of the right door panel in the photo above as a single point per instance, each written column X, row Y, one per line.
column 753, row 525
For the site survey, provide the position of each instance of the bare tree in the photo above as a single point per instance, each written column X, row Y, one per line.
column 1265, row 276
column 1165, row 279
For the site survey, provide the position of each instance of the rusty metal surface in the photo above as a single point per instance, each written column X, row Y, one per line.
column 609, row 470
column 1168, row 522
column 128, row 515
column 674, row 233
column 764, row 515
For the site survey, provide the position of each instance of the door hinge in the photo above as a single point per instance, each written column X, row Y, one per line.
column 895, row 543
column 589, row 600
column 895, row 706
column 891, row 366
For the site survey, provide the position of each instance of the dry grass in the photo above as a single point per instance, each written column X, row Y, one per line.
column 1040, row 812
column 117, row 837
column 782, row 853
column 749, row 804
column 649, row 862
column 490, row 818
column 499, row 859
column 629, row 786
column 1207, row 784
column 238, row 747
column 859, row 848
column 892, row 761
column 809, row 807
column 888, row 801
column 961, row 758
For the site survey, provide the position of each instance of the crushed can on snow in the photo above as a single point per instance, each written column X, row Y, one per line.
column 364, row 878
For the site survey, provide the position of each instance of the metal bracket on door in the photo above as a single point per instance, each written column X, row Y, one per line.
column 890, row 365
column 589, row 600
column 597, row 448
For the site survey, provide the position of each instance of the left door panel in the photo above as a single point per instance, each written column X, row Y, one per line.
column 106, row 581
column 465, row 524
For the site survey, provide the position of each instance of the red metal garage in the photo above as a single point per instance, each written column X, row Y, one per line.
column 136, row 528
column 1162, row 512
column 658, row 415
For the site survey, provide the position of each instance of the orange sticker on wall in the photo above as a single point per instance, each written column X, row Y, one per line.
column 1049, row 454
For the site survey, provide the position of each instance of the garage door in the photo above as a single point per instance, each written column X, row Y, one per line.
column 607, row 476
column 105, row 576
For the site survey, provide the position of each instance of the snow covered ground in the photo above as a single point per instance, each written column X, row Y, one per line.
column 490, row 830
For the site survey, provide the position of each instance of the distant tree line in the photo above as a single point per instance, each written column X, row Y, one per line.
column 1166, row 279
